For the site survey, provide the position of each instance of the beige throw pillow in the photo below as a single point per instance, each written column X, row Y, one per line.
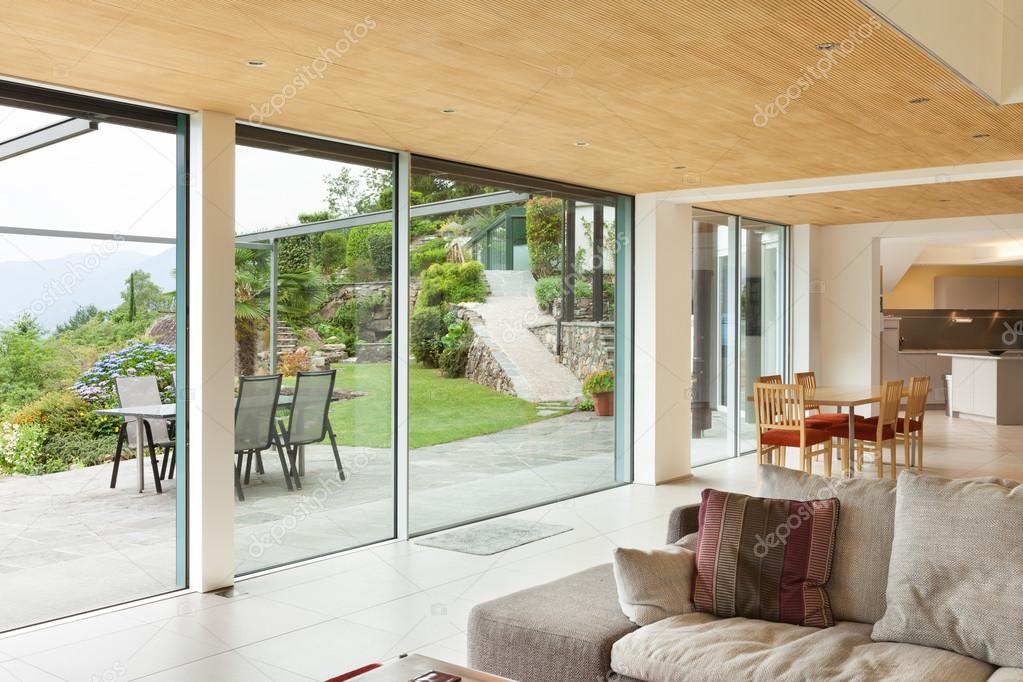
column 956, row 573
column 654, row 584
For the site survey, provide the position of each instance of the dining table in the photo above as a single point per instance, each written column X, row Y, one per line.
column 140, row 413
column 846, row 398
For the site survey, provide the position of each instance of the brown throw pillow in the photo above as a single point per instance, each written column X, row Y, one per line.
column 765, row 559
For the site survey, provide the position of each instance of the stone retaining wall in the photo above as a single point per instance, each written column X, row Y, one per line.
column 584, row 349
column 483, row 367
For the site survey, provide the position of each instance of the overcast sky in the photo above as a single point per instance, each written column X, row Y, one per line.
column 121, row 180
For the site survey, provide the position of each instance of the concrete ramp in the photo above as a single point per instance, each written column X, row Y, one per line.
column 507, row 316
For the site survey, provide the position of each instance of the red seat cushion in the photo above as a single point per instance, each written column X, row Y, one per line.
column 864, row 430
column 829, row 418
column 790, row 439
column 914, row 424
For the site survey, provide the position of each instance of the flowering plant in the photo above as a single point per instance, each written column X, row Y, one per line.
column 137, row 359
column 599, row 382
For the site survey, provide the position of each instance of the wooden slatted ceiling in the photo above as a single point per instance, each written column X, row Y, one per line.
column 941, row 200
column 650, row 84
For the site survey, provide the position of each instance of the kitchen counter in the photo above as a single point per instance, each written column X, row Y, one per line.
column 985, row 387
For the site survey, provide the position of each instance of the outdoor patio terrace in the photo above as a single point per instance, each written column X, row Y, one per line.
column 69, row 543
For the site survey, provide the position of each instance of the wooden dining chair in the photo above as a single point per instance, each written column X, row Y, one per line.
column 769, row 379
column 814, row 417
column 872, row 435
column 781, row 423
column 910, row 427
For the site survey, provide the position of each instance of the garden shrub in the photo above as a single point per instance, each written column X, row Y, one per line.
column 331, row 254
column 543, row 235
column 421, row 227
column 61, row 451
column 599, row 382
column 457, row 341
column 425, row 255
column 358, row 242
column 426, row 329
column 547, row 290
column 65, row 412
column 297, row 361
column 380, row 248
column 452, row 283
column 361, row 270
column 29, row 364
column 295, row 254
column 140, row 358
column 453, row 361
column 21, row 449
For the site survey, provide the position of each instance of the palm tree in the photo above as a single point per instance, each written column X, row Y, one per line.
column 299, row 294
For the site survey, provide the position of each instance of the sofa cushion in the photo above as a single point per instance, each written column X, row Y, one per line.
column 765, row 558
column 1007, row 675
column 654, row 584
column 554, row 632
column 955, row 577
column 699, row 646
column 863, row 546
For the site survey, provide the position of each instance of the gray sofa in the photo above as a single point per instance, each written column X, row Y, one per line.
column 573, row 629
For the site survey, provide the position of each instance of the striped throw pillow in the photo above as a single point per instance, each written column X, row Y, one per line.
column 765, row 559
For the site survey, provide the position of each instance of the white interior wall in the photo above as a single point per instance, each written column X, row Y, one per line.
column 847, row 258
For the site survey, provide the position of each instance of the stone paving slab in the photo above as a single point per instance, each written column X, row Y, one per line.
column 68, row 543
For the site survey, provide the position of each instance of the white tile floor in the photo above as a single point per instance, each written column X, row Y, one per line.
column 315, row 621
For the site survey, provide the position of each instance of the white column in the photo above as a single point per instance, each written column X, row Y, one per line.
column 211, row 351
column 663, row 346
column 807, row 289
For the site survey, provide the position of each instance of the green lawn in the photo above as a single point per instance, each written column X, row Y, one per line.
column 442, row 410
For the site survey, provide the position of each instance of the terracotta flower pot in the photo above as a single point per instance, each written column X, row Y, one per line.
column 604, row 404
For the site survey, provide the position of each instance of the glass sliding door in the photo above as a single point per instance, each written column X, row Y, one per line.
column 513, row 289
column 739, row 327
column 762, row 314
column 92, row 273
column 713, row 325
column 314, row 281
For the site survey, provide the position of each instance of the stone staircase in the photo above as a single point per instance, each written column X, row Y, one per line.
column 287, row 339
column 607, row 345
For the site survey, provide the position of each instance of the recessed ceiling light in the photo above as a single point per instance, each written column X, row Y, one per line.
column 582, row 143
column 256, row 63
column 981, row 136
column 447, row 111
column 920, row 100
column 825, row 47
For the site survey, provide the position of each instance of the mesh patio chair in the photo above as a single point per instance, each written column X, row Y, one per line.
column 139, row 392
column 308, row 422
column 254, row 426
column 166, row 472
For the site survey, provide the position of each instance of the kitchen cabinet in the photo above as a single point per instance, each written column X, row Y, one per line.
column 978, row 293
column 985, row 387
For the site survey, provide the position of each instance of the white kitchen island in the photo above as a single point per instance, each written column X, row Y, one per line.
column 986, row 387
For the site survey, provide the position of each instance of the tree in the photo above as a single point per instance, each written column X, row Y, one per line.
column 28, row 365
column 543, row 235
column 298, row 294
column 82, row 315
column 141, row 296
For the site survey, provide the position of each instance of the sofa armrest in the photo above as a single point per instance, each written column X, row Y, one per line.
column 558, row 632
column 682, row 522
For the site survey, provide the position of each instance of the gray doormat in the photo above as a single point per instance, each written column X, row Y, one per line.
column 491, row 537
